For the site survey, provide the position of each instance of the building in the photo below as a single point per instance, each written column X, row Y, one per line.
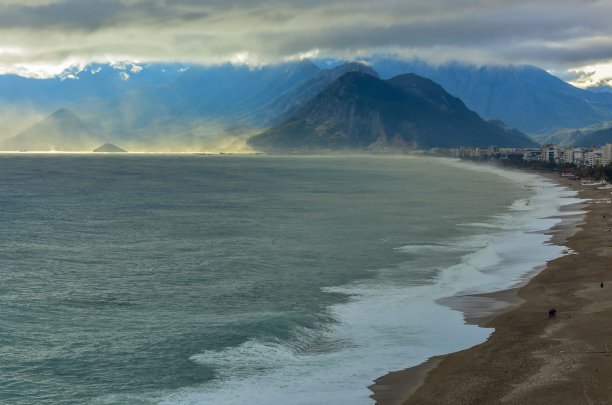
column 532, row 155
column 606, row 154
column 550, row 153
column 592, row 157
column 579, row 156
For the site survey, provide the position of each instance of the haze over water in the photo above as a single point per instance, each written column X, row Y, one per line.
column 247, row 279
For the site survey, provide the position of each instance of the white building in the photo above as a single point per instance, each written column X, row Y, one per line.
column 550, row 152
column 577, row 156
column 592, row 158
column 606, row 154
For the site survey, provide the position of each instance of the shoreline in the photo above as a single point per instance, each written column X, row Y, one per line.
column 520, row 358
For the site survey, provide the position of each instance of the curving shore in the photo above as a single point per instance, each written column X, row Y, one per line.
column 530, row 357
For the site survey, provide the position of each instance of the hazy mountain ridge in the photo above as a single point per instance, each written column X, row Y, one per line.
column 109, row 148
column 596, row 138
column 95, row 81
column 230, row 90
column 569, row 137
column 200, row 102
column 524, row 97
column 61, row 131
column 360, row 111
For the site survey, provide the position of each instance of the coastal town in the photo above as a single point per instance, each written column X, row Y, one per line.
column 583, row 157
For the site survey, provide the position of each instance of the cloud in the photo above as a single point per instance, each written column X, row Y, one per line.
column 592, row 75
column 549, row 33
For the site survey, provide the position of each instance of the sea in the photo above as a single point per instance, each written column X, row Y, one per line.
column 249, row 279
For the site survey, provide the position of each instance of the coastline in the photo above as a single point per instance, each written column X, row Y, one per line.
column 530, row 358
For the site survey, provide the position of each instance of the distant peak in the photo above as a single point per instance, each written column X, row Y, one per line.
column 63, row 112
column 356, row 62
column 65, row 115
column 109, row 148
column 352, row 66
column 306, row 61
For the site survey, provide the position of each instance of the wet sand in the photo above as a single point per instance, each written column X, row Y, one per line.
column 531, row 358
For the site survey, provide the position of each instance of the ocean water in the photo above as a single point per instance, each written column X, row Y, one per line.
column 197, row 279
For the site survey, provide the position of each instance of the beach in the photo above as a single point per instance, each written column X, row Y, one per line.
column 532, row 357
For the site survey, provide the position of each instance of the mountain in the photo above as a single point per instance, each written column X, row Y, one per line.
column 61, row 131
column 597, row 138
column 202, row 98
column 109, row 148
column 569, row 137
column 524, row 97
column 360, row 111
column 236, row 90
column 149, row 107
column 564, row 137
column 94, row 81
column 25, row 101
column 601, row 88
column 512, row 132
column 288, row 103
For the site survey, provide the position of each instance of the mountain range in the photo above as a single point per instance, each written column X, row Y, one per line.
column 524, row 97
column 97, row 81
column 172, row 107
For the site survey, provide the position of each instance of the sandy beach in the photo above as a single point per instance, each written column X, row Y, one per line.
column 532, row 358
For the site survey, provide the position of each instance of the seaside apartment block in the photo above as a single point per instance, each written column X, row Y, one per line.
column 580, row 156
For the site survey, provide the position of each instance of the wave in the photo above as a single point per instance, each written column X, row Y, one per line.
column 387, row 323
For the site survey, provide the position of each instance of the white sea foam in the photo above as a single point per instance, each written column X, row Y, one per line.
column 389, row 325
column 383, row 327
column 449, row 245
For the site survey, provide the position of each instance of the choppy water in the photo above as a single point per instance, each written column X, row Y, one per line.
column 247, row 279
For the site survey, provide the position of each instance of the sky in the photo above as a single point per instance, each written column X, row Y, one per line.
column 572, row 39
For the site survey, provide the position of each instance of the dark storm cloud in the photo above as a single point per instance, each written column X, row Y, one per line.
column 564, row 33
column 68, row 16
column 90, row 15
